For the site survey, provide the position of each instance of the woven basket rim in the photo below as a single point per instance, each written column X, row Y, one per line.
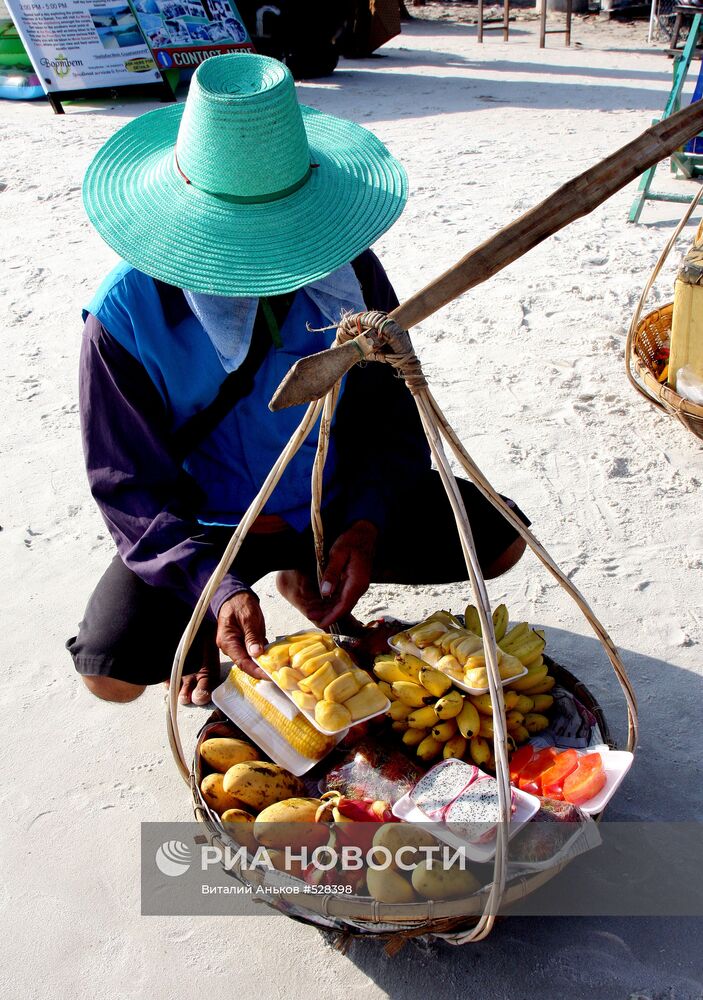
column 670, row 399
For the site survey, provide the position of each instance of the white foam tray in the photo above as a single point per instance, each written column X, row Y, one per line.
column 616, row 764
column 526, row 806
column 228, row 699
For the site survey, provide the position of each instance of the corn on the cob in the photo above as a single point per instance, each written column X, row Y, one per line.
column 298, row 732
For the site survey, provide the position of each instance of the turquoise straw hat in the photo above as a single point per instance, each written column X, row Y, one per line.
column 241, row 190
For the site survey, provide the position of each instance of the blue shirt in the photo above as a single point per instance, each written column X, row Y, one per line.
column 132, row 398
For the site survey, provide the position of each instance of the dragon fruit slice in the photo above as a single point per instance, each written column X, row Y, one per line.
column 441, row 785
column 474, row 814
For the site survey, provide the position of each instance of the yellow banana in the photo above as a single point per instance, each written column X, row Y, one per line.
column 398, row 711
column 527, row 661
column 528, row 650
column 468, row 720
column 533, row 676
column 510, row 698
column 542, row 687
column 524, row 703
column 520, row 734
column 483, row 703
column 384, row 657
column 513, row 719
column 542, row 702
column 412, row 694
column 515, row 635
column 449, row 706
column 411, row 666
column 411, row 737
column 500, row 621
column 479, row 750
column 423, row 718
column 400, row 726
column 387, row 689
column 535, row 722
column 391, row 671
column 472, row 620
column 455, row 747
column 435, row 681
column 486, row 727
column 446, row 617
column 429, row 748
column 444, row 731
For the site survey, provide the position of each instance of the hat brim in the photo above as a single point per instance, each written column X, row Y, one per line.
column 145, row 210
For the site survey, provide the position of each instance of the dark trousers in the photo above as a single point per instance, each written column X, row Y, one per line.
column 130, row 629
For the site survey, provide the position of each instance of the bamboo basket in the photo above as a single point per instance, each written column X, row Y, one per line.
column 461, row 921
column 352, row 916
column 645, row 338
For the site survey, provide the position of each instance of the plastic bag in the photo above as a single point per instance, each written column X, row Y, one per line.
column 689, row 384
column 373, row 771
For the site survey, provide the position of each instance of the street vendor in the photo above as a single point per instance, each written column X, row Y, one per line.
column 244, row 221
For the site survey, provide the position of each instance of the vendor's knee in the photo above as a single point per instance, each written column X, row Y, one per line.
column 109, row 689
column 506, row 560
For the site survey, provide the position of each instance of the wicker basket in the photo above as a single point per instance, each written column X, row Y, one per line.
column 350, row 916
column 647, row 335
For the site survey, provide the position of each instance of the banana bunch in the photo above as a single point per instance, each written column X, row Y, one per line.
column 525, row 644
column 433, row 717
column 441, row 721
column 525, row 715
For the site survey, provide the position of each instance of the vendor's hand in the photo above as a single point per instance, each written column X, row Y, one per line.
column 348, row 572
column 241, row 631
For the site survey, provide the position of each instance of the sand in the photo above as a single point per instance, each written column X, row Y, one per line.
column 529, row 367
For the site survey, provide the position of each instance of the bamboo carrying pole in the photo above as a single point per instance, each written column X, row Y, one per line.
column 312, row 377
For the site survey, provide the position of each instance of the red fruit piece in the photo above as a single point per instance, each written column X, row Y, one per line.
column 520, row 759
column 586, row 781
column 530, row 778
column 553, row 778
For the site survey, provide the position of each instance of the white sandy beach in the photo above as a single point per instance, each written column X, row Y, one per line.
column 529, row 368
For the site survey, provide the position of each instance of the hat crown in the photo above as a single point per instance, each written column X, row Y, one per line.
column 242, row 134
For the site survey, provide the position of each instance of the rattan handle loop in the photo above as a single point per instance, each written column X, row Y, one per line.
column 643, row 298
